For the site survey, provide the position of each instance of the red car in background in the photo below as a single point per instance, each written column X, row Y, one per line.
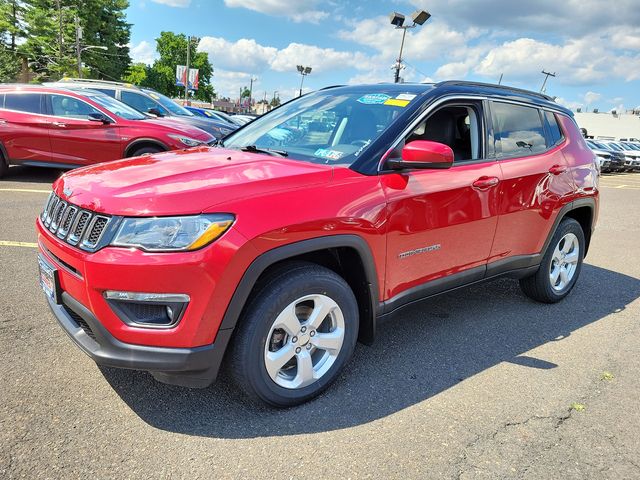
column 54, row 127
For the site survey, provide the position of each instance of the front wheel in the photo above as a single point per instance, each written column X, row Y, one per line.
column 560, row 266
column 297, row 334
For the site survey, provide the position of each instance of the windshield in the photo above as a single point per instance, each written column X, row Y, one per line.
column 115, row 106
column 169, row 104
column 615, row 146
column 324, row 127
column 631, row 146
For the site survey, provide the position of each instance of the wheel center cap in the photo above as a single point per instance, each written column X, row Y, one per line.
column 303, row 338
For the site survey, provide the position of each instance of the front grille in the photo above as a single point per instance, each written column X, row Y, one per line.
column 76, row 226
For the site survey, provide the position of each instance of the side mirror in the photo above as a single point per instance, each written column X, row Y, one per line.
column 155, row 111
column 99, row 117
column 423, row 154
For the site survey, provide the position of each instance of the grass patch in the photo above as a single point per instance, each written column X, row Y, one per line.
column 607, row 376
column 578, row 407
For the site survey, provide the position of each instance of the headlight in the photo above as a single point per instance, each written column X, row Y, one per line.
column 189, row 142
column 172, row 234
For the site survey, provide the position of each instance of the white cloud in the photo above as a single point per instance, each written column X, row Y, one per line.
column 591, row 97
column 174, row 3
column 246, row 55
column 143, row 52
column 298, row 11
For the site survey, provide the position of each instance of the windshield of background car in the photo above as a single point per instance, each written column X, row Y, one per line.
column 169, row 104
column 324, row 127
column 116, row 107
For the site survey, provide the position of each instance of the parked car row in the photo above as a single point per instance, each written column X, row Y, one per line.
column 620, row 156
column 68, row 127
column 238, row 119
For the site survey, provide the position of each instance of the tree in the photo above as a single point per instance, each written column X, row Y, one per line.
column 50, row 32
column 245, row 92
column 275, row 102
column 11, row 31
column 172, row 49
column 136, row 74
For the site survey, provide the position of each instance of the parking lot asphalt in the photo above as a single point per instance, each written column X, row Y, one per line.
column 477, row 383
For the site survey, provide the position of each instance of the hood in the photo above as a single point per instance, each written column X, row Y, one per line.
column 184, row 182
column 214, row 127
column 179, row 128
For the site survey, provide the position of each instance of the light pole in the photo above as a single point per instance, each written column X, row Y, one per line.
column 304, row 71
column 546, row 78
column 397, row 19
column 186, row 80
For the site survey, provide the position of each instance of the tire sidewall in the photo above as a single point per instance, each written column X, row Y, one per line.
column 264, row 312
column 565, row 227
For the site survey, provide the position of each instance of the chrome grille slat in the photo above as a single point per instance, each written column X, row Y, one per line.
column 77, row 227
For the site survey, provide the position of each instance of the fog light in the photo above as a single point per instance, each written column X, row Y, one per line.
column 148, row 310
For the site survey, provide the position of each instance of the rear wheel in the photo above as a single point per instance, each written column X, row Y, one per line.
column 297, row 334
column 560, row 266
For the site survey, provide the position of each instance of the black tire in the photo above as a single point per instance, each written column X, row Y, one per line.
column 539, row 285
column 246, row 360
column 145, row 151
column 4, row 166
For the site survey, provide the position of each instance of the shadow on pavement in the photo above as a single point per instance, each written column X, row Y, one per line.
column 426, row 349
column 23, row 173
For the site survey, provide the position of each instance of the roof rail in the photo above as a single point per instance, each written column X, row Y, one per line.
column 93, row 80
column 330, row 86
column 493, row 85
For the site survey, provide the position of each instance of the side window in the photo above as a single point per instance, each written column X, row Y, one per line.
column 63, row 106
column 518, row 130
column 457, row 126
column 23, row 102
column 106, row 91
column 137, row 101
column 555, row 134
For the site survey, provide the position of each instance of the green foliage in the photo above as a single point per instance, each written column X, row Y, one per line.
column 136, row 74
column 11, row 30
column 246, row 93
column 172, row 49
column 275, row 102
column 44, row 32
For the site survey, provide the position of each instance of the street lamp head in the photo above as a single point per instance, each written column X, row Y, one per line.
column 300, row 68
column 420, row 16
column 397, row 19
column 307, row 70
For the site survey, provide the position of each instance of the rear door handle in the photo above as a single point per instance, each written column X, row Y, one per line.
column 557, row 169
column 3, row 121
column 59, row 124
column 485, row 183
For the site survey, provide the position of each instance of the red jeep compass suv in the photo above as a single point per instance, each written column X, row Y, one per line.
column 54, row 127
column 279, row 249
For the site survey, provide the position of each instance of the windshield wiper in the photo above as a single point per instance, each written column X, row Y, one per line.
column 268, row 151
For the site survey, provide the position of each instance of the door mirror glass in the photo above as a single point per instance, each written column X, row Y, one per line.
column 155, row 111
column 423, row 154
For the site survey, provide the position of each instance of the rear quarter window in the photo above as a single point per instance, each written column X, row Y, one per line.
column 555, row 133
column 518, row 130
column 23, row 102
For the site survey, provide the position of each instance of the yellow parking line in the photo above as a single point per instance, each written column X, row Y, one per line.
column 26, row 190
column 4, row 243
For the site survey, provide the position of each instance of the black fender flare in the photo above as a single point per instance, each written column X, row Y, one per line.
column 131, row 146
column 291, row 250
column 578, row 203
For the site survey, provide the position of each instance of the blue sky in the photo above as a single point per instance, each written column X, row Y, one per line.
column 592, row 45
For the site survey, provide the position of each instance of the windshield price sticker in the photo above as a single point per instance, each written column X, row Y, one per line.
column 406, row 96
column 394, row 102
column 328, row 154
column 374, row 99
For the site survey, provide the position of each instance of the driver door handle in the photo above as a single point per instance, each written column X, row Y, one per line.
column 59, row 124
column 485, row 183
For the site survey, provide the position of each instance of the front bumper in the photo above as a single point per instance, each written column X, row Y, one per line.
column 189, row 367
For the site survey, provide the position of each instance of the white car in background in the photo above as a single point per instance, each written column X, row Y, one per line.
column 632, row 156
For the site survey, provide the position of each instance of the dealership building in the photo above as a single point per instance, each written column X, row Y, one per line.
column 610, row 125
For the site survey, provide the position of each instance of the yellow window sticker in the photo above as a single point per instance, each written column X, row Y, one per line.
column 394, row 102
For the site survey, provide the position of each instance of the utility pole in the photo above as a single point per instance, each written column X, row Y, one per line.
column 186, row 79
column 251, row 91
column 78, row 37
column 399, row 61
column 59, row 30
column 500, row 81
column 547, row 75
